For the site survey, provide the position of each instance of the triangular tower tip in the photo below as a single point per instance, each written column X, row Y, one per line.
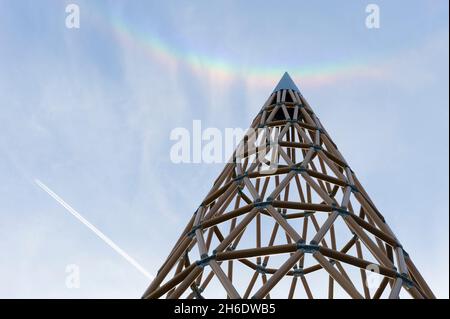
column 286, row 83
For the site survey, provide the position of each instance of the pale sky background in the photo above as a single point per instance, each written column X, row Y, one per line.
column 89, row 111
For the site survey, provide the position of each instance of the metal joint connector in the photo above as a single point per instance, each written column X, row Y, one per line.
column 342, row 211
column 298, row 272
column 406, row 280
column 316, row 147
column 205, row 259
column 298, row 169
column 263, row 204
column 240, row 177
column 307, row 248
column 308, row 213
column 353, row 188
column 261, row 269
column 193, row 230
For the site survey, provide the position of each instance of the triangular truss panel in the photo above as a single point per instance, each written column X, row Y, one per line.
column 287, row 218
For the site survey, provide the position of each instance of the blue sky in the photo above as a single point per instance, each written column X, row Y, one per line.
column 89, row 112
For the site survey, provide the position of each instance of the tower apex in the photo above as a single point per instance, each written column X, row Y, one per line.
column 286, row 83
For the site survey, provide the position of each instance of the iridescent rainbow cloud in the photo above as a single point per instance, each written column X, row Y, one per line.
column 225, row 71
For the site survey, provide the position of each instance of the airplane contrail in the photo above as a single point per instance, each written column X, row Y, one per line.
column 95, row 230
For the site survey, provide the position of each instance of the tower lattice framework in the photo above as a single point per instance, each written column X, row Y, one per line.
column 288, row 218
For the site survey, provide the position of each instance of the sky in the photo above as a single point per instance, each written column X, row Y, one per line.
column 88, row 112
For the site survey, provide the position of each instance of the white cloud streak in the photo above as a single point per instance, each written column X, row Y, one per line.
column 102, row 236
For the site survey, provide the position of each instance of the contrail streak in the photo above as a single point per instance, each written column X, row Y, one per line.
column 94, row 229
